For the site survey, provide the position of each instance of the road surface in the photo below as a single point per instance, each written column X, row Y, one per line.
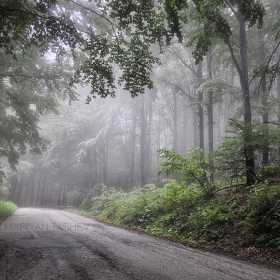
column 39, row 243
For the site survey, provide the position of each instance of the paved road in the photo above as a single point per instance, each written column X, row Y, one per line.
column 56, row 244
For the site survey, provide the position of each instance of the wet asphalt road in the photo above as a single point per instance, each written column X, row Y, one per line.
column 55, row 244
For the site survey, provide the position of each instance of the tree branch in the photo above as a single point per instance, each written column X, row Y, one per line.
column 31, row 76
column 183, row 62
column 179, row 88
column 234, row 58
column 94, row 12
column 231, row 8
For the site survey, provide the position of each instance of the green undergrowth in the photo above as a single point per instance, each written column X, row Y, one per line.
column 242, row 220
column 6, row 209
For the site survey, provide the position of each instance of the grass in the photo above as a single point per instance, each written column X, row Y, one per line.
column 243, row 221
column 6, row 209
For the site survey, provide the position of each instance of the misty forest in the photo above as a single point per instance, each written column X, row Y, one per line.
column 104, row 102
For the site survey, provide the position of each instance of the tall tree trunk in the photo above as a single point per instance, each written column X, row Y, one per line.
column 200, row 111
column 263, row 88
column 143, row 142
column 278, row 107
column 125, row 181
column 49, row 198
column 104, row 162
column 210, row 113
column 89, row 160
column 43, row 193
column 19, row 190
column 242, row 69
column 149, row 118
column 94, row 167
column 248, row 151
column 25, row 203
column 14, row 183
column 64, row 196
column 59, row 196
column 158, row 133
column 32, row 190
column 195, row 127
column 175, row 121
column 185, row 130
column 38, row 189
column 132, row 147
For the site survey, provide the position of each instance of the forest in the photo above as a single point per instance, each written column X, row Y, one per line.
column 104, row 102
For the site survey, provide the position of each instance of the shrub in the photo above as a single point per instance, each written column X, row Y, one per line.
column 6, row 209
column 192, row 168
column 4, row 190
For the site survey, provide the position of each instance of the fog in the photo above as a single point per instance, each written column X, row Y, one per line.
column 113, row 142
column 80, row 141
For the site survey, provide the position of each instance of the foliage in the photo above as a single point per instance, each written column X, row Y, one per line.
column 215, row 24
column 230, row 157
column 30, row 29
column 100, row 198
column 52, row 25
column 29, row 89
column 194, row 166
column 217, row 88
column 96, row 191
column 6, row 208
column 4, row 191
column 232, row 220
column 141, row 206
column 34, row 23
column 261, row 219
column 133, row 27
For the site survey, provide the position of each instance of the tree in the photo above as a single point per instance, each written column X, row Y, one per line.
column 29, row 89
column 113, row 44
column 37, row 27
column 97, row 29
column 211, row 15
column 210, row 111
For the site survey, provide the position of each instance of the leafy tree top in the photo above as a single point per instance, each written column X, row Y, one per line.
column 214, row 17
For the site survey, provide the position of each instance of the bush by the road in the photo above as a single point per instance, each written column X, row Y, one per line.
column 6, row 208
column 238, row 219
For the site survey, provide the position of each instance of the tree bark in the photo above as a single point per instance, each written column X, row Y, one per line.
column 185, row 130
column 32, row 190
column 43, row 195
column 132, row 148
column 95, row 167
column 175, row 122
column 264, row 94
column 210, row 113
column 242, row 69
column 104, row 162
column 38, row 189
column 19, row 190
column 14, row 183
column 149, row 120
column 64, row 196
column 200, row 111
column 59, row 195
column 25, row 203
column 248, row 151
column 126, row 152
column 278, row 107
column 143, row 142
